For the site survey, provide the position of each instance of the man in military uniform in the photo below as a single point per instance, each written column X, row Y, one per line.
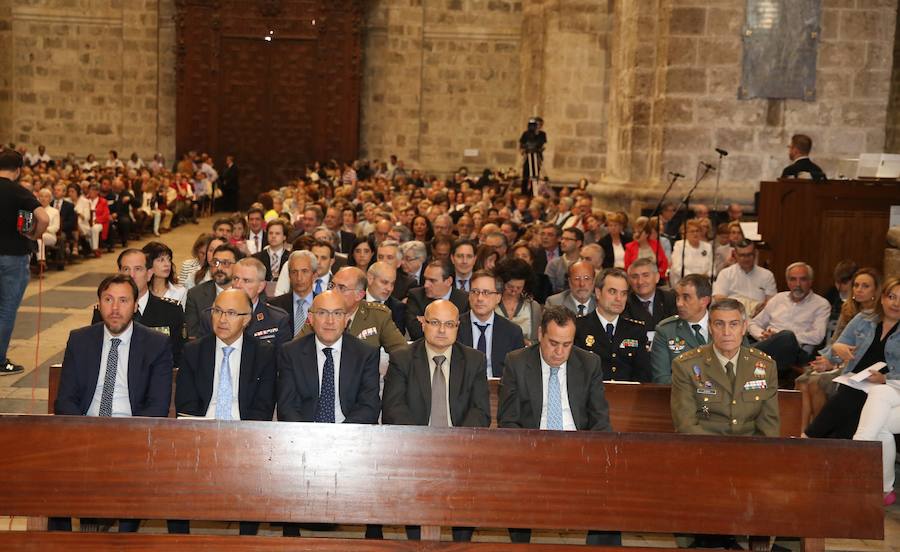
column 161, row 314
column 620, row 342
column 725, row 388
column 687, row 330
column 370, row 322
column 269, row 323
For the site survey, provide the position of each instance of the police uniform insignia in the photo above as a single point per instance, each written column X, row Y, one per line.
column 628, row 343
column 677, row 345
column 589, row 341
column 260, row 316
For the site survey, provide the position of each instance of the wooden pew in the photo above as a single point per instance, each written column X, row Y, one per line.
column 264, row 471
column 645, row 408
column 53, row 389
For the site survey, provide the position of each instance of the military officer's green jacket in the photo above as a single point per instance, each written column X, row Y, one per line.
column 673, row 336
column 704, row 402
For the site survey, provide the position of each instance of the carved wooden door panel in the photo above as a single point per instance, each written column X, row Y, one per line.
column 274, row 104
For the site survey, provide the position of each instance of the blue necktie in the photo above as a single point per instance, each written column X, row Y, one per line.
column 318, row 289
column 300, row 316
column 325, row 407
column 225, row 392
column 554, row 401
column 610, row 331
column 482, row 341
column 109, row 381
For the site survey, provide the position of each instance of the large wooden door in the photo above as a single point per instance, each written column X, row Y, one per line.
column 274, row 104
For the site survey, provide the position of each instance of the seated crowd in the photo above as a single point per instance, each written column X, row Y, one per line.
column 410, row 292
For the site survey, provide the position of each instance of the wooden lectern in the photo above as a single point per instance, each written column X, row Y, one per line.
column 822, row 223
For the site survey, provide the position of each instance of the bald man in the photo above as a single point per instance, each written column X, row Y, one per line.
column 341, row 386
column 227, row 375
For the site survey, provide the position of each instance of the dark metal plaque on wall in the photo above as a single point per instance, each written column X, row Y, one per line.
column 780, row 39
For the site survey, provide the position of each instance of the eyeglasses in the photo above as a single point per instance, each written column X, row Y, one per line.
column 227, row 314
column 581, row 278
column 322, row 313
column 447, row 325
column 222, row 262
column 340, row 287
column 482, row 292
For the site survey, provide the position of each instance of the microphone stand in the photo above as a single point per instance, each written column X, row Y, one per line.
column 712, row 271
column 657, row 211
column 686, row 202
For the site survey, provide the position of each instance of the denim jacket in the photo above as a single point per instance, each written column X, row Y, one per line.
column 860, row 332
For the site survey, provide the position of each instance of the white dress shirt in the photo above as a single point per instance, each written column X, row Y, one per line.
column 704, row 326
column 251, row 242
column 614, row 321
column 121, row 405
column 488, row 338
column 234, row 369
column 808, row 319
column 320, row 362
column 568, row 421
column 431, row 353
column 755, row 285
column 142, row 302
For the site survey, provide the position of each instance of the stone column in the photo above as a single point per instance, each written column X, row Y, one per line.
column 6, row 71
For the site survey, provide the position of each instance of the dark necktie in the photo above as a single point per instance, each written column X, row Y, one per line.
column 699, row 334
column 482, row 340
column 610, row 331
column 325, row 407
column 256, row 239
column 109, row 381
column 438, row 395
column 647, row 307
column 729, row 368
column 462, row 285
column 580, row 310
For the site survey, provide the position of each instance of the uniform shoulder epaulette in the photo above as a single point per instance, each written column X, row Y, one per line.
column 669, row 320
column 760, row 354
column 690, row 354
column 170, row 300
column 377, row 306
column 633, row 321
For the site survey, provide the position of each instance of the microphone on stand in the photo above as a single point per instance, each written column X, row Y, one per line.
column 722, row 152
column 707, row 166
column 676, row 175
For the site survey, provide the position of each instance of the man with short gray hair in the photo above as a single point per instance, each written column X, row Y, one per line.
column 794, row 322
column 301, row 267
column 388, row 252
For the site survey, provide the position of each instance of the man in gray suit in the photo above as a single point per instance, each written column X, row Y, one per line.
column 569, row 378
column 579, row 298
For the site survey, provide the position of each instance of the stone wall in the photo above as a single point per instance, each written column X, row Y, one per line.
column 445, row 76
column 694, row 98
column 88, row 76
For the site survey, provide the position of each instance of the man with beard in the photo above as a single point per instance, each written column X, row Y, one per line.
column 200, row 298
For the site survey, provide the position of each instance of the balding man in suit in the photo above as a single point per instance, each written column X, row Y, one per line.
column 438, row 276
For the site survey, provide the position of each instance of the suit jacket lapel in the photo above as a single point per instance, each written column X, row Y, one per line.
column 246, row 374
column 310, row 370
column 714, row 368
column 348, row 372
column 95, row 351
column 533, row 379
column 135, row 362
column 422, row 367
column 457, row 369
column 575, row 390
column 465, row 330
column 207, row 370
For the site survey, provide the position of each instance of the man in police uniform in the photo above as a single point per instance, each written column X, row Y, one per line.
column 687, row 330
column 620, row 342
column 370, row 322
column 161, row 314
column 268, row 323
column 725, row 388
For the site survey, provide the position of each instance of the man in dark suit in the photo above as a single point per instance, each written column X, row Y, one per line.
column 201, row 297
column 227, row 375
column 482, row 329
column 229, row 181
column 68, row 220
column 438, row 285
column 549, row 250
column 801, row 166
column 389, row 252
column 297, row 302
column 437, row 382
column 160, row 314
column 381, row 278
column 646, row 302
column 620, row 342
column 274, row 256
column 328, row 376
column 268, row 323
column 569, row 378
column 115, row 368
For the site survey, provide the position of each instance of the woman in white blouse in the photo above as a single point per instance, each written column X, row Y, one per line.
column 163, row 283
column 695, row 258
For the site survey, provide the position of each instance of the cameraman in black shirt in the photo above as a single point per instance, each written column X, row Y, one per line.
column 21, row 219
column 531, row 146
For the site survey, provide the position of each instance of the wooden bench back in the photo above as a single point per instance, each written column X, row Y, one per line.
column 264, row 471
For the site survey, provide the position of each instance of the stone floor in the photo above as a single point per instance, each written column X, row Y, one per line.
column 62, row 301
